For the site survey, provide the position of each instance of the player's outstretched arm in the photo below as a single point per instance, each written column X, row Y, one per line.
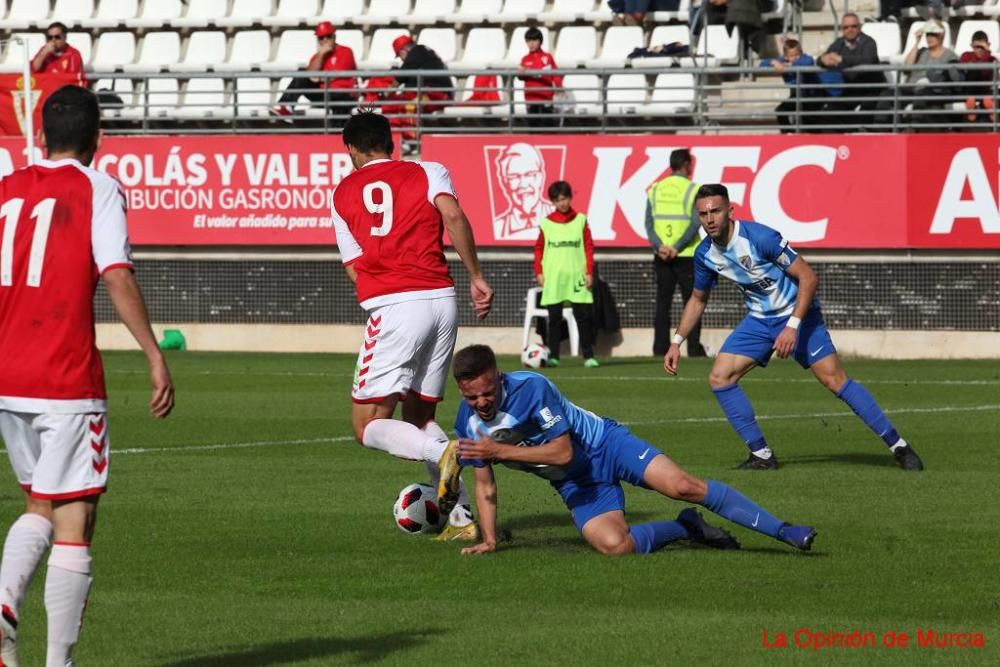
column 128, row 302
column 693, row 310
column 555, row 452
column 808, row 281
column 460, row 233
column 486, row 505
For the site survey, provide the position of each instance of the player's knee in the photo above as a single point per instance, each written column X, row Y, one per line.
column 690, row 489
column 359, row 433
column 612, row 544
column 719, row 378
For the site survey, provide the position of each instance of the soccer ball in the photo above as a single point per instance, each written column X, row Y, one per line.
column 416, row 509
column 535, row 356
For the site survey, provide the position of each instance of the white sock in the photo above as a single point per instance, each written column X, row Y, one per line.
column 66, row 587
column 899, row 444
column 763, row 453
column 27, row 541
column 403, row 440
column 461, row 515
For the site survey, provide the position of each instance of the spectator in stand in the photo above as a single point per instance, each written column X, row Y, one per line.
column 539, row 89
column 852, row 49
column 807, row 92
column 57, row 56
column 922, row 86
column 633, row 12
column 564, row 268
column 980, row 81
column 340, row 92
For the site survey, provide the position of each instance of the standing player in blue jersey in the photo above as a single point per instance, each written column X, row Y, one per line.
column 521, row 420
column 779, row 288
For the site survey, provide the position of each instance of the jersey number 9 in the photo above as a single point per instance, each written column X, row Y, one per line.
column 384, row 208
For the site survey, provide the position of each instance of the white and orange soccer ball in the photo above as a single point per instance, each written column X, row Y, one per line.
column 535, row 356
column 416, row 509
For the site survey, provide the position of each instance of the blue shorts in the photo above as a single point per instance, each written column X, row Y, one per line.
column 754, row 337
column 595, row 489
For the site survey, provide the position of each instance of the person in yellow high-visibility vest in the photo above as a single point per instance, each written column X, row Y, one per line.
column 672, row 230
column 564, row 268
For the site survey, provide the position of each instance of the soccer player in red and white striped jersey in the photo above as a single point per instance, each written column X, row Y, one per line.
column 63, row 227
column 389, row 216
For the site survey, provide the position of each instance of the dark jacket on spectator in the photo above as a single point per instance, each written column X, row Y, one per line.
column 420, row 57
column 865, row 52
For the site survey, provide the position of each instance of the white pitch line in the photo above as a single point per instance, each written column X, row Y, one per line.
column 231, row 445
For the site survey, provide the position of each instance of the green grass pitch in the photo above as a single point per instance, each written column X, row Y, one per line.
column 248, row 529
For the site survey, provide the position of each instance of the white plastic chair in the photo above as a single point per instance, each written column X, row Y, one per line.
column 25, row 14
column 626, row 93
column 201, row 14
column 205, row 98
column 251, row 48
column 478, row 108
column 567, row 11
column 112, row 13
column 887, row 39
column 663, row 34
column 380, row 53
column 683, row 13
column 73, row 12
column 205, row 49
column 163, row 96
column 963, row 40
column 585, row 89
column 245, row 13
column 355, row 39
column 672, row 93
column 619, row 42
column 476, row 11
column 159, row 50
column 518, row 11
column 575, row 45
column 292, row 13
column 82, row 42
column 13, row 60
column 442, row 41
column 431, row 11
column 124, row 89
column 483, row 47
column 114, row 50
column 385, row 12
column 722, row 47
column 342, row 11
column 157, row 14
column 533, row 310
column 253, row 96
column 518, row 48
column 295, row 48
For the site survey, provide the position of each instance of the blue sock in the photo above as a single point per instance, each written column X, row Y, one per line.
column 740, row 414
column 729, row 503
column 864, row 406
column 650, row 537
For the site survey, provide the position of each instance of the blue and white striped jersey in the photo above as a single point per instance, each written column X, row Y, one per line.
column 756, row 260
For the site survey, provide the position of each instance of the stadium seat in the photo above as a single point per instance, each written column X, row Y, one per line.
column 887, row 39
column 467, row 109
column 73, row 12
column 159, row 50
column 601, row 15
column 585, row 92
column 201, row 14
column 575, row 45
column 385, row 12
column 683, row 13
column 963, row 40
column 476, row 11
column 84, row 43
column 114, row 50
column 13, row 60
column 619, row 42
column 442, row 41
column 245, row 13
column 295, row 48
column 721, row 47
column 626, row 93
column 292, row 13
column 26, row 14
column 380, row 53
column 123, row 88
column 157, row 14
column 158, row 98
column 518, row 49
column 533, row 310
column 432, row 11
column 664, row 34
column 205, row 49
column 483, row 47
column 205, row 98
column 518, row 11
column 355, row 39
column 250, row 49
column 112, row 14
column 672, row 93
column 253, row 96
column 340, row 12
column 566, row 11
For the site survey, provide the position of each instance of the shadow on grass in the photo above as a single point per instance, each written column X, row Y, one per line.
column 368, row 649
column 876, row 460
column 565, row 520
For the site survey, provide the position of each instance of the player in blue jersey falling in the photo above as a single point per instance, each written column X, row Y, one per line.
column 521, row 420
column 785, row 318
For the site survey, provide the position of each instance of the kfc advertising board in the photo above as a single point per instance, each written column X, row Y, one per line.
column 828, row 191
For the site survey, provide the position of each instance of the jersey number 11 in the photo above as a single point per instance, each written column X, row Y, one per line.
column 10, row 213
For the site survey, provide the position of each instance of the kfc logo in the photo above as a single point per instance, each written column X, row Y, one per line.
column 518, row 176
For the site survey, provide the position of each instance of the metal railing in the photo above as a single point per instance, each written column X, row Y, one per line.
column 679, row 98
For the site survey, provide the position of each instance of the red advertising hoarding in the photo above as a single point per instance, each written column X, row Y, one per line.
column 825, row 191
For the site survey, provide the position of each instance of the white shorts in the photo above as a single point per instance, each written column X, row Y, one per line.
column 406, row 351
column 58, row 457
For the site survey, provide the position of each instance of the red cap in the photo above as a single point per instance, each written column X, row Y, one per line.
column 325, row 29
column 401, row 43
